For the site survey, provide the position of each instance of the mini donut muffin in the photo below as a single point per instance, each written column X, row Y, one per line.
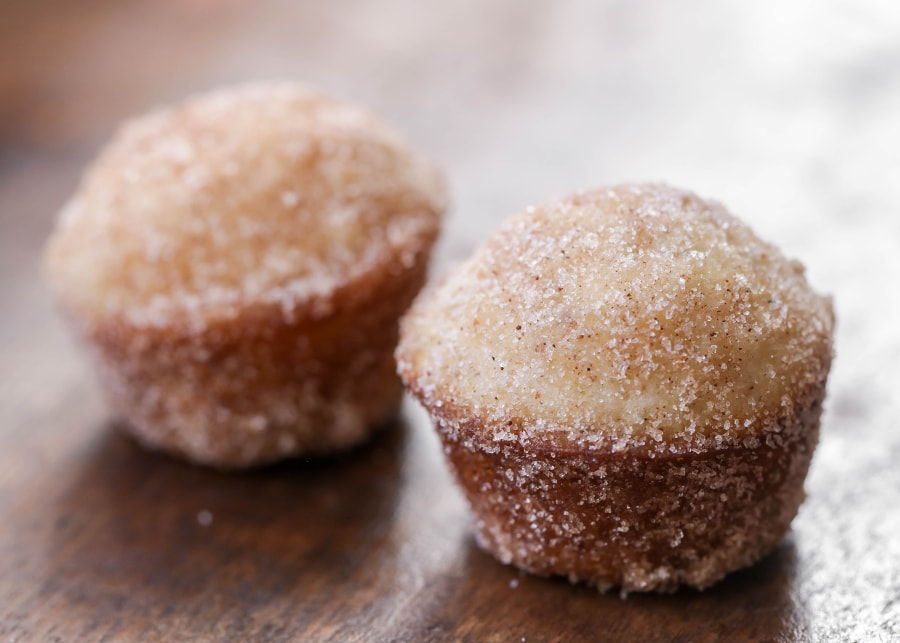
column 237, row 266
column 627, row 383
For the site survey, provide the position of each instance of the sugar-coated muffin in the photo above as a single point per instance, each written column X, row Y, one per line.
column 627, row 383
column 236, row 266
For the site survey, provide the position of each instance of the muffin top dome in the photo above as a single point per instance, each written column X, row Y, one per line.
column 636, row 317
column 265, row 195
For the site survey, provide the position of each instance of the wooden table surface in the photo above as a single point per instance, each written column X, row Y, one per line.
column 787, row 112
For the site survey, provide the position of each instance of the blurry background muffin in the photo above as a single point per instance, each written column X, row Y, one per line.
column 237, row 265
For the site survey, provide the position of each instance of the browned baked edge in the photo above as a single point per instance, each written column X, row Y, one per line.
column 639, row 520
column 262, row 386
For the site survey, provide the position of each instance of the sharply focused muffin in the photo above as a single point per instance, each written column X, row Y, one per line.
column 237, row 265
column 627, row 383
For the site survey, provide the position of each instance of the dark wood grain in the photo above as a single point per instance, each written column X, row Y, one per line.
column 787, row 116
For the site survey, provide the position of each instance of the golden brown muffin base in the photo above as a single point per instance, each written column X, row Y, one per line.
column 264, row 385
column 638, row 520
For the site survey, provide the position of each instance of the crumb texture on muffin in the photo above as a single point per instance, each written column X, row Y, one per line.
column 635, row 317
column 266, row 194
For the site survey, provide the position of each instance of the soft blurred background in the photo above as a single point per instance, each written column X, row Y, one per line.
column 788, row 112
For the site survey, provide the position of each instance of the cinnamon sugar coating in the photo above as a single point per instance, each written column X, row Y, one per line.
column 632, row 332
column 237, row 265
